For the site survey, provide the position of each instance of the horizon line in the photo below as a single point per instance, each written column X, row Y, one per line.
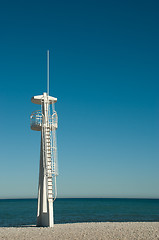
column 24, row 198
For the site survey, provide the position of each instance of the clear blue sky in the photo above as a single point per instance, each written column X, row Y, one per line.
column 104, row 70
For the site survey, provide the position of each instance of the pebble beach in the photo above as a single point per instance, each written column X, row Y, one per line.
column 96, row 231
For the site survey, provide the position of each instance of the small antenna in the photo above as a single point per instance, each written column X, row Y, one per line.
column 48, row 72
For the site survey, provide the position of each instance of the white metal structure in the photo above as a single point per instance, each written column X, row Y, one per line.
column 45, row 120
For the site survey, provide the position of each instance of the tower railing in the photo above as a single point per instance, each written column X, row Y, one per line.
column 36, row 119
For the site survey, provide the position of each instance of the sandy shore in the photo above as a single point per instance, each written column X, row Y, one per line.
column 96, row 231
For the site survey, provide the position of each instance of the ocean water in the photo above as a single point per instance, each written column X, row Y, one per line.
column 19, row 212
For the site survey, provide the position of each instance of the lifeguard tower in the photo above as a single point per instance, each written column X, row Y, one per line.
column 46, row 121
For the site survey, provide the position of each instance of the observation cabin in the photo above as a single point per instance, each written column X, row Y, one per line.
column 37, row 117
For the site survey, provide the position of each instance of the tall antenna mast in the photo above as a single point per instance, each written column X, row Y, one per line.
column 48, row 72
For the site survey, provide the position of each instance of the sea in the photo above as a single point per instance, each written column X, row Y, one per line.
column 21, row 212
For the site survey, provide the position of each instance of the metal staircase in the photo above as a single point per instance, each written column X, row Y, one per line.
column 48, row 152
column 50, row 155
column 48, row 127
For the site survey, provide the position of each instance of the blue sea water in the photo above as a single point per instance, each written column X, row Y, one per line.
column 18, row 212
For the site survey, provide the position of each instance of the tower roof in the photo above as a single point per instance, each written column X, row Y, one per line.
column 37, row 99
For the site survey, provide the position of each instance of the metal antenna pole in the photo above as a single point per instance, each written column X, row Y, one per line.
column 48, row 72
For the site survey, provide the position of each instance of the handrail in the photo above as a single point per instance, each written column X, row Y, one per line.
column 36, row 119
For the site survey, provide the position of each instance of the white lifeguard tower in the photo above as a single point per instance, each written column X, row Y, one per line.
column 46, row 120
